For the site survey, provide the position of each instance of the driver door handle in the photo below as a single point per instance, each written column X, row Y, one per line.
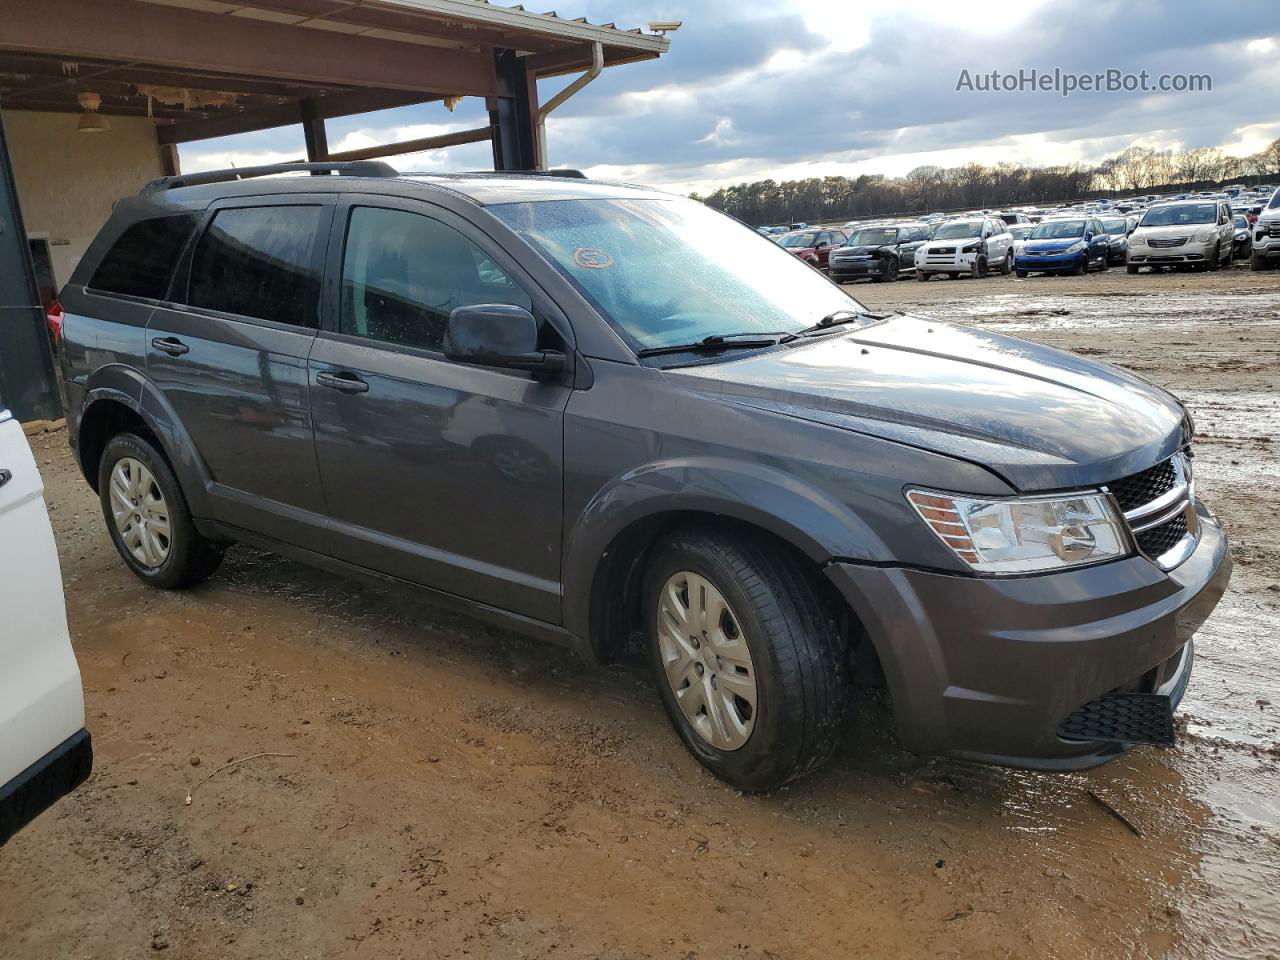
column 343, row 380
column 5, row 476
column 170, row 345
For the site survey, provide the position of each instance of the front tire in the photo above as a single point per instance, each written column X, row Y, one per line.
column 746, row 656
column 1257, row 263
column 1006, row 268
column 1020, row 274
column 979, row 269
column 148, row 518
column 1215, row 261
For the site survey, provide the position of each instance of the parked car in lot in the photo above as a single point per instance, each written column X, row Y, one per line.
column 968, row 247
column 766, row 485
column 1014, row 218
column 1064, row 245
column 1117, row 231
column 881, row 252
column 812, row 246
column 1020, row 232
column 1242, row 243
column 1187, row 233
column 45, row 751
column 1266, row 236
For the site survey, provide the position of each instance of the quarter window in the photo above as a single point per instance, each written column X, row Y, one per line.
column 403, row 274
column 141, row 261
column 259, row 262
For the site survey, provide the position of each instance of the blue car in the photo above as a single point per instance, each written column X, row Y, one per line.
column 1066, row 245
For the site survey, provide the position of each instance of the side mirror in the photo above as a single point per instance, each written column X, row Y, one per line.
column 499, row 335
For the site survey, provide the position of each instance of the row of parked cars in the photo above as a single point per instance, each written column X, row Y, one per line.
column 1185, row 232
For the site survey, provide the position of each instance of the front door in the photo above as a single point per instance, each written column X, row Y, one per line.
column 231, row 359
column 439, row 473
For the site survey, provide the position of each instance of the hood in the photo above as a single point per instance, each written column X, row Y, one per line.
column 963, row 241
column 1050, row 246
column 1176, row 230
column 858, row 250
column 1040, row 418
column 801, row 251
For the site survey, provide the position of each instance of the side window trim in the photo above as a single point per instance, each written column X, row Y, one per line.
column 180, row 286
column 544, row 307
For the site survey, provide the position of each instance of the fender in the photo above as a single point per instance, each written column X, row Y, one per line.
column 815, row 523
column 125, row 385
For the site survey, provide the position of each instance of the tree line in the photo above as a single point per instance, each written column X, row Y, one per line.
column 977, row 186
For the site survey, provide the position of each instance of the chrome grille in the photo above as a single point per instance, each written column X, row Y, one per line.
column 1273, row 229
column 1161, row 242
column 1158, row 505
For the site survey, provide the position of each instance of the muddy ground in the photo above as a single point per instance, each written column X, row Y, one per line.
column 448, row 790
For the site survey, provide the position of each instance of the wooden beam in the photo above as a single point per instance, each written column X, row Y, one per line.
column 341, row 105
column 148, row 33
column 414, row 146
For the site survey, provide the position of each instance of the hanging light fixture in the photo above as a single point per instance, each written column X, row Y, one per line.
column 91, row 121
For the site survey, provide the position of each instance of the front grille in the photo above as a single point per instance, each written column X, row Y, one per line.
column 1167, row 241
column 943, row 250
column 1141, row 488
column 1273, row 230
column 1160, row 540
column 1123, row 718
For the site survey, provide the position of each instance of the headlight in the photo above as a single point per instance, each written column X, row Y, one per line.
column 1024, row 535
column 1137, row 240
column 1075, row 247
column 970, row 248
column 1204, row 236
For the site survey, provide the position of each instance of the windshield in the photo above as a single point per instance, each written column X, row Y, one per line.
column 1058, row 230
column 800, row 239
column 1241, row 221
column 1275, row 201
column 666, row 272
column 1183, row 213
column 960, row 230
column 1115, row 227
column 1021, row 231
column 873, row 238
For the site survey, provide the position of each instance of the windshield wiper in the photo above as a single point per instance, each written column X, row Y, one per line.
column 833, row 319
column 714, row 344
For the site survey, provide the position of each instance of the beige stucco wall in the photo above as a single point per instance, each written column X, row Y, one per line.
column 68, row 180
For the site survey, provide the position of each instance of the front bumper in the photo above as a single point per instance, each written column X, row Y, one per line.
column 946, row 262
column 1033, row 263
column 43, row 783
column 855, row 269
column 1193, row 251
column 987, row 669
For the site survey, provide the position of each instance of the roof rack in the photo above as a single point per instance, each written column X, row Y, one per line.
column 558, row 172
column 350, row 168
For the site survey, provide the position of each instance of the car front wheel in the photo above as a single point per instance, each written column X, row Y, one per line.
column 746, row 655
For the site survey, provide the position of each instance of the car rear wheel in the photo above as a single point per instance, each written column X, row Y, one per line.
column 746, row 655
column 148, row 518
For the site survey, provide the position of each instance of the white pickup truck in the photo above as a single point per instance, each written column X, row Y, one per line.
column 45, row 751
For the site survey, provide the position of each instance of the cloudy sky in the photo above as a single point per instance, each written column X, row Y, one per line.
column 792, row 88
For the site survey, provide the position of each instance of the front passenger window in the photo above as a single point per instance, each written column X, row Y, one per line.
column 404, row 273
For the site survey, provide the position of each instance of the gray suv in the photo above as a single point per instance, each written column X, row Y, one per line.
column 613, row 418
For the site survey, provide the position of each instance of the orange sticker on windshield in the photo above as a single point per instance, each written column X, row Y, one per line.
column 591, row 258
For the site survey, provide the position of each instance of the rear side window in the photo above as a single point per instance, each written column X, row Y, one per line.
column 259, row 262
column 141, row 261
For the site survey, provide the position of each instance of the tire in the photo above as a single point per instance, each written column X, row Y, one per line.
column 1081, row 268
column 979, row 268
column 921, row 276
column 1020, row 274
column 796, row 662
column 1215, row 260
column 179, row 559
column 1131, row 268
column 1257, row 263
column 889, row 270
column 1006, row 268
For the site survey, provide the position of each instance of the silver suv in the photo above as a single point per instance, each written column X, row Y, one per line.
column 1266, row 236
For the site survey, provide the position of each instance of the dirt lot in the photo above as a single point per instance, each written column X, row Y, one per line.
column 448, row 790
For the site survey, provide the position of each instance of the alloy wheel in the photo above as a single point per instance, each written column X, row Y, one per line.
column 706, row 660
column 140, row 513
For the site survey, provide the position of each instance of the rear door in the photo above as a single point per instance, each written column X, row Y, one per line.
column 231, row 358
column 443, row 474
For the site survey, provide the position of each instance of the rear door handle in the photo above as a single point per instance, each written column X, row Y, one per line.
column 344, row 381
column 5, row 476
column 170, row 345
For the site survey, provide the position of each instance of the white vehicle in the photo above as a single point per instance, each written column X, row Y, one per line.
column 971, row 246
column 1266, row 236
column 45, row 751
column 1195, row 233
